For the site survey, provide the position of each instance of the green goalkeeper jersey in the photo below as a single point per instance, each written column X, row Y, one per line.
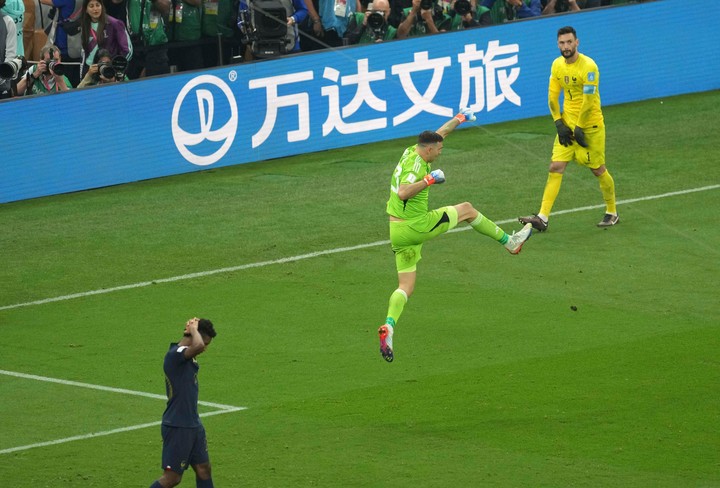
column 410, row 169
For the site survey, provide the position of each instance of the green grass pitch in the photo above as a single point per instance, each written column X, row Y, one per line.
column 589, row 360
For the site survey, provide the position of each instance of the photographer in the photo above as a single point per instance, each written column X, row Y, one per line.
column 465, row 15
column 47, row 76
column 424, row 17
column 106, row 69
column 8, row 48
column 559, row 6
column 371, row 26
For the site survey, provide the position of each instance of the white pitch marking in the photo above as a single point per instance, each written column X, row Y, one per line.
column 110, row 389
column 326, row 252
column 104, row 433
column 221, row 409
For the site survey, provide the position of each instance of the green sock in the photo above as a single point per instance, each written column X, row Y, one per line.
column 398, row 299
column 487, row 227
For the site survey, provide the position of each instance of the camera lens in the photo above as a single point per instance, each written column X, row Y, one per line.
column 56, row 68
column 106, row 70
column 11, row 69
column 376, row 20
column 462, row 7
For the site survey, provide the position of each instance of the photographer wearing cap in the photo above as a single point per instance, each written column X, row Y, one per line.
column 424, row 17
column 47, row 76
column 105, row 69
column 371, row 26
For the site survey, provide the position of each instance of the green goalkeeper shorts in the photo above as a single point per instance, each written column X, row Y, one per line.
column 408, row 236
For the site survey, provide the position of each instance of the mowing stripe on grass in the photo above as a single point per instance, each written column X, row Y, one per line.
column 320, row 253
column 111, row 389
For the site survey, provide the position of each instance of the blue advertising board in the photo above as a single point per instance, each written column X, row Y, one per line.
column 316, row 101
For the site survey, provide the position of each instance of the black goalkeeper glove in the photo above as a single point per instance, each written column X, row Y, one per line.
column 565, row 135
column 580, row 136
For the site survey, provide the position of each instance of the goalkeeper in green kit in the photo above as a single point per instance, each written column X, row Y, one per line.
column 411, row 223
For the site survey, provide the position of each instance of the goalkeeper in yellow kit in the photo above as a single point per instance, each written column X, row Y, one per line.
column 412, row 224
column 580, row 127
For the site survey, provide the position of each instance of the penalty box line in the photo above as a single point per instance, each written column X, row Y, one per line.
column 221, row 409
column 326, row 252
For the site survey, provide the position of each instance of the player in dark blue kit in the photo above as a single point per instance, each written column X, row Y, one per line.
column 184, row 441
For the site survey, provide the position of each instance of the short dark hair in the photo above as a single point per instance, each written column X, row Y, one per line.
column 429, row 137
column 101, row 53
column 206, row 328
column 567, row 30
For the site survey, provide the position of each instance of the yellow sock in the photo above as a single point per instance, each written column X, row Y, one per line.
column 552, row 188
column 607, row 187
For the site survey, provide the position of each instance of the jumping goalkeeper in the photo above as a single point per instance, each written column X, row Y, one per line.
column 411, row 223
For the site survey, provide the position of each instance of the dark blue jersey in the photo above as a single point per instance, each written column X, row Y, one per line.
column 181, row 386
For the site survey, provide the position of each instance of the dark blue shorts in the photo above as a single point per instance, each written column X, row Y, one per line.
column 183, row 447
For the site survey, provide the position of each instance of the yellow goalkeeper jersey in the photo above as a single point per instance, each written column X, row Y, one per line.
column 579, row 83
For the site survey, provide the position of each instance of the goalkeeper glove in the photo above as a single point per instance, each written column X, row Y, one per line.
column 435, row 176
column 565, row 135
column 465, row 115
column 580, row 136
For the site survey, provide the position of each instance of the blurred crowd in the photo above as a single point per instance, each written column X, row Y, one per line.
column 47, row 46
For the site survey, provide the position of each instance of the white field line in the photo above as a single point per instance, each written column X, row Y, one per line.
column 110, row 389
column 221, row 409
column 326, row 252
column 103, row 433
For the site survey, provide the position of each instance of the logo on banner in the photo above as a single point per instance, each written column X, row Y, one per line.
column 203, row 143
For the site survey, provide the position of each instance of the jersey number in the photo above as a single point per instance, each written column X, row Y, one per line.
column 396, row 179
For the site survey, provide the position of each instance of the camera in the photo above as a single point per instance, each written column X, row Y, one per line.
column 376, row 20
column 113, row 70
column 263, row 26
column 54, row 66
column 376, row 24
column 106, row 70
column 462, row 7
column 11, row 70
column 437, row 11
column 57, row 68
column 120, row 64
